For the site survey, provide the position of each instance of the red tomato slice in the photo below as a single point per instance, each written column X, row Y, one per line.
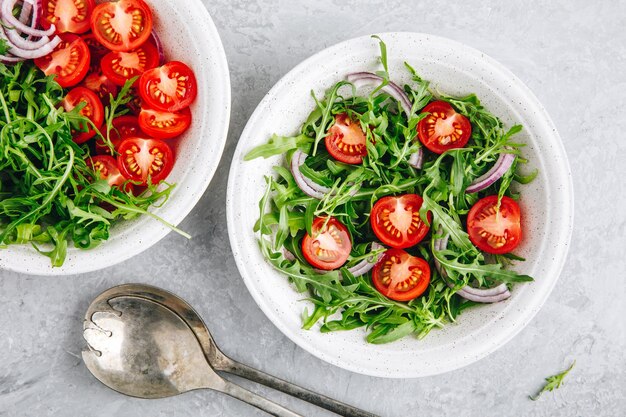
column 400, row 276
column 145, row 160
column 495, row 231
column 329, row 245
column 443, row 128
column 107, row 166
column 164, row 125
column 171, row 87
column 69, row 61
column 346, row 141
column 122, row 25
column 396, row 220
column 101, row 85
column 67, row 15
column 96, row 51
column 122, row 66
column 123, row 127
column 93, row 110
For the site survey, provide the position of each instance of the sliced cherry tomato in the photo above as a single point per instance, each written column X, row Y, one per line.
column 145, row 160
column 101, row 85
column 96, row 50
column 396, row 221
column 329, row 245
column 67, row 15
column 93, row 110
column 123, row 127
column 107, row 166
column 122, row 66
column 69, row 61
column 164, row 125
column 495, row 231
column 443, row 128
column 122, row 25
column 346, row 141
column 400, row 276
column 135, row 104
column 171, row 87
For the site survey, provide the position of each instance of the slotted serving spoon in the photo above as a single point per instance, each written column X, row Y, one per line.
column 148, row 343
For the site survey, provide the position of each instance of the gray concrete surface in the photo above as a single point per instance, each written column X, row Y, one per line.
column 572, row 54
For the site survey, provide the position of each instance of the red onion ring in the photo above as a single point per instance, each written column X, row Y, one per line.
column 416, row 160
column 25, row 13
column 24, row 48
column 288, row 255
column 309, row 187
column 10, row 20
column 159, row 46
column 479, row 295
column 502, row 165
column 361, row 79
column 366, row 264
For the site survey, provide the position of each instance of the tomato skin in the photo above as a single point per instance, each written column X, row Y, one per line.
column 164, row 125
column 492, row 232
column 346, row 141
column 170, row 87
column 395, row 269
column 123, row 127
column 59, row 13
column 396, row 220
column 443, row 129
column 329, row 246
column 92, row 110
column 96, row 51
column 107, row 166
column 134, row 14
column 120, row 66
column 141, row 158
column 69, row 61
column 101, row 85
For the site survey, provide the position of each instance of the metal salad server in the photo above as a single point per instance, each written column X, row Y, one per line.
column 148, row 343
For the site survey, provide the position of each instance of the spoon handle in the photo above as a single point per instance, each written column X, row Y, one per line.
column 304, row 394
column 253, row 399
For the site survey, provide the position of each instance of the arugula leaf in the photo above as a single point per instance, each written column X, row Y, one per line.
column 4, row 46
column 553, row 382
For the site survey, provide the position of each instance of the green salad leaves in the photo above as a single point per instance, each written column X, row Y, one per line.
column 49, row 196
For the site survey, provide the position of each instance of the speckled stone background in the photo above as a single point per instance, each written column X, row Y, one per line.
column 572, row 54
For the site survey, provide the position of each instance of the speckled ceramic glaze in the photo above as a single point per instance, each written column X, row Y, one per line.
column 196, row 42
column 547, row 203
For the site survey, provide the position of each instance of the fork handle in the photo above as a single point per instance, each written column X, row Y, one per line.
column 255, row 400
column 320, row 400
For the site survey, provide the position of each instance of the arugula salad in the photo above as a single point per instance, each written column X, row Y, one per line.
column 393, row 209
column 89, row 107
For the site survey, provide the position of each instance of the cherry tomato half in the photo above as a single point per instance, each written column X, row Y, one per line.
column 123, row 127
column 396, row 221
column 164, row 125
column 329, row 245
column 122, row 25
column 69, row 61
column 443, row 128
column 121, row 66
column 400, row 276
column 171, row 87
column 346, row 141
column 93, row 110
column 67, row 15
column 495, row 231
column 145, row 160
column 107, row 166
column 101, row 85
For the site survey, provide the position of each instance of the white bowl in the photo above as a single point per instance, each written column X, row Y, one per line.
column 547, row 203
column 188, row 35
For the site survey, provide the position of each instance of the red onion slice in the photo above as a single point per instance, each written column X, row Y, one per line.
column 502, row 165
column 9, row 20
column 366, row 264
column 288, row 255
column 159, row 46
column 37, row 53
column 309, row 187
column 479, row 295
column 416, row 160
column 361, row 79
column 25, row 13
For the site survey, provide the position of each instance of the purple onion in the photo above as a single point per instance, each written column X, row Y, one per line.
column 502, row 165
column 366, row 264
column 9, row 20
column 13, row 29
column 159, row 46
column 288, row 255
column 361, row 79
column 416, row 160
column 308, row 186
column 479, row 295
